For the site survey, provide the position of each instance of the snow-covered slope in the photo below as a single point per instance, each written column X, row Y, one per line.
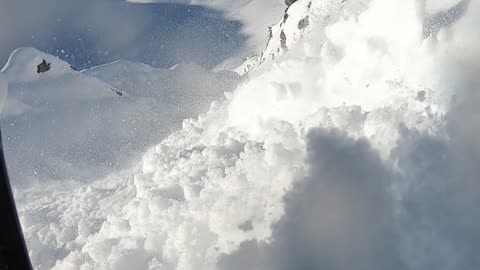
column 21, row 66
column 307, row 19
column 254, row 15
column 63, row 124
column 188, row 86
column 356, row 149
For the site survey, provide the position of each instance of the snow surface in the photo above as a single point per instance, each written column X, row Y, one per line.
column 22, row 66
column 354, row 149
column 70, row 125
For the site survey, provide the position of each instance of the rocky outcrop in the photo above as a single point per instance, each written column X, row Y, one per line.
column 43, row 66
column 289, row 2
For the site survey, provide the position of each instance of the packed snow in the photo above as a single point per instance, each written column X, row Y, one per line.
column 354, row 148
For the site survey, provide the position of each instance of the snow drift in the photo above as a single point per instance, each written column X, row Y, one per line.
column 354, row 148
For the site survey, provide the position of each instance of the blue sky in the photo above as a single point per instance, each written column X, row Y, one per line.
column 88, row 33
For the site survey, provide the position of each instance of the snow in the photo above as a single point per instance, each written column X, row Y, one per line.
column 22, row 66
column 65, row 125
column 355, row 148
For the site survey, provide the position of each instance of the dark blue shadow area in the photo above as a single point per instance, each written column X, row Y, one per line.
column 89, row 32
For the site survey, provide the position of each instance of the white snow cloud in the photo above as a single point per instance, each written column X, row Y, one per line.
column 356, row 211
column 340, row 217
column 412, row 209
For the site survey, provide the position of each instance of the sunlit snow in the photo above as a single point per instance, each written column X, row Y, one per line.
column 353, row 148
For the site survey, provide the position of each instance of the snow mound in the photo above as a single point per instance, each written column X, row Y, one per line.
column 22, row 65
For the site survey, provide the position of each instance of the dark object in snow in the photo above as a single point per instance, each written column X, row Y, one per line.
column 283, row 40
column 421, row 95
column 303, row 23
column 285, row 17
column 246, row 226
column 43, row 67
column 73, row 68
column 270, row 34
column 289, row 2
column 13, row 251
column 117, row 92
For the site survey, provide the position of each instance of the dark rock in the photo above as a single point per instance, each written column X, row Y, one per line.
column 283, row 40
column 303, row 23
column 117, row 92
column 289, row 2
column 43, row 67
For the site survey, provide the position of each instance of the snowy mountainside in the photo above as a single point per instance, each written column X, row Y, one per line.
column 300, row 16
column 356, row 149
column 66, row 124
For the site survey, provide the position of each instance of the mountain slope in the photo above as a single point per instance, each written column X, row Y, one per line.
column 355, row 149
column 65, row 124
column 307, row 19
